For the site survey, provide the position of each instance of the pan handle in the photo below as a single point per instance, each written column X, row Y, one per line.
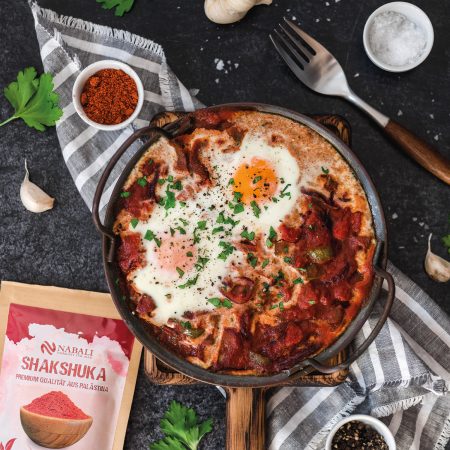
column 362, row 348
column 146, row 131
column 245, row 418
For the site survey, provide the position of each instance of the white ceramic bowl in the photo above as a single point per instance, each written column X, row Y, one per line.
column 414, row 14
column 91, row 70
column 369, row 420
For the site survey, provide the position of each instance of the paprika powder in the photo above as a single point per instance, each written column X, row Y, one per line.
column 109, row 96
column 56, row 404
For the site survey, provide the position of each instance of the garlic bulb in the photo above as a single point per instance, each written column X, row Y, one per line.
column 436, row 267
column 33, row 197
column 229, row 11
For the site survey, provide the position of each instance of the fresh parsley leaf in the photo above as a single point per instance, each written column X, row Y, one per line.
column 201, row 225
column 287, row 259
column 190, row 254
column 298, row 280
column 256, row 209
column 248, row 235
column 201, row 263
column 252, row 259
column 237, row 196
column 122, row 6
column 134, row 222
column 325, row 171
column 172, row 231
column 186, row 325
column 446, row 242
column 231, row 182
column 183, row 221
column 189, row 283
column 217, row 230
column 215, row 301
column 312, row 302
column 170, row 200
column 283, row 193
column 264, row 263
column 177, row 185
column 161, row 181
column 227, row 250
column 180, row 271
column 181, row 428
column 275, row 200
column 280, row 306
column 142, row 181
column 33, row 99
column 271, row 238
column 238, row 208
column 226, row 303
column 218, row 303
column 181, row 230
column 256, row 179
column 125, row 194
column 170, row 178
column 221, row 218
column 150, row 236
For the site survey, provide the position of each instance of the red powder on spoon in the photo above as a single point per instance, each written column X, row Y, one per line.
column 56, row 404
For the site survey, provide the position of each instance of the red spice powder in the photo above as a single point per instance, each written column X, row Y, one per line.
column 109, row 96
column 56, row 404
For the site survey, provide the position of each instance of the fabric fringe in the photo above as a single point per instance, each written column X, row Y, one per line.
column 387, row 410
column 164, row 84
column 101, row 30
column 323, row 433
column 444, row 437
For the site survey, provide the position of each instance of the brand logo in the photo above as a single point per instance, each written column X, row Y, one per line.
column 8, row 445
column 68, row 350
column 49, row 348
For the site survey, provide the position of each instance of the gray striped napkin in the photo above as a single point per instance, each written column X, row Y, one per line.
column 403, row 377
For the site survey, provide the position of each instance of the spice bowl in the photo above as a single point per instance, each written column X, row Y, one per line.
column 373, row 422
column 53, row 432
column 413, row 14
column 91, row 70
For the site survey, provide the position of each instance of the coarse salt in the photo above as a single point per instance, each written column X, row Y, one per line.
column 396, row 40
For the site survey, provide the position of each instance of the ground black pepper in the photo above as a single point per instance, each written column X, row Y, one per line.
column 358, row 435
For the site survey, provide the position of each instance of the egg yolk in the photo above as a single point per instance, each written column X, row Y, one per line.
column 256, row 181
column 176, row 252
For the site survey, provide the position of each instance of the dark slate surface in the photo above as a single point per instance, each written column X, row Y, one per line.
column 62, row 248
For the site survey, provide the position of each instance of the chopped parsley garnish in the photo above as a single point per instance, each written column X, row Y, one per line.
column 217, row 230
column 256, row 179
column 312, row 302
column 201, row 225
column 287, row 259
column 278, row 277
column 275, row 200
column 181, row 230
column 231, row 182
column 271, row 238
column 186, row 325
column 298, row 280
column 256, row 209
column 252, row 259
column 201, row 263
column 150, row 161
column 237, row 196
column 302, row 269
column 170, row 200
column 161, row 181
column 266, row 286
column 190, row 254
column 142, row 181
column 227, row 250
column 238, row 208
column 183, row 221
column 310, row 205
column 325, row 171
column 170, row 178
column 150, row 236
column 221, row 218
column 172, row 231
column 248, row 235
column 278, row 305
column 264, row 263
column 190, row 282
column 177, row 185
column 180, row 271
column 125, row 194
column 283, row 193
column 282, row 180
column 182, row 204
column 134, row 222
column 218, row 303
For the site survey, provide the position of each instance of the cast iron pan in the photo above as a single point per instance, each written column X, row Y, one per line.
column 245, row 403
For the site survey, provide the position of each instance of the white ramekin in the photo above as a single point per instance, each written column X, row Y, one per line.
column 91, row 70
column 413, row 13
column 369, row 420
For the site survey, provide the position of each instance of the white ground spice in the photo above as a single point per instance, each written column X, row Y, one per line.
column 396, row 40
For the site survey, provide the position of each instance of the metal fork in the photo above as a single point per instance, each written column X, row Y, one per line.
column 318, row 69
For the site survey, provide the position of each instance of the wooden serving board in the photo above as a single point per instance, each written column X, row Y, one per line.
column 159, row 373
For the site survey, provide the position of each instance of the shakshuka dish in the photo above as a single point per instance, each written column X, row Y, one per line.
column 246, row 244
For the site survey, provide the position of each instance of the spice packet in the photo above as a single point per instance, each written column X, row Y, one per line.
column 68, row 369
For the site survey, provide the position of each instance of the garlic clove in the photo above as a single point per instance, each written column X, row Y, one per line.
column 229, row 11
column 435, row 266
column 33, row 197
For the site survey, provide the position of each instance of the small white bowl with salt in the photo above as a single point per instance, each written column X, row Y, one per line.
column 398, row 36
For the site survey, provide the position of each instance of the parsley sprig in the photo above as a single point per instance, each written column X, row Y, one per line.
column 182, row 429
column 33, row 100
column 122, row 6
column 219, row 303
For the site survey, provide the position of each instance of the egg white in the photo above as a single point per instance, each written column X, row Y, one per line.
column 164, row 286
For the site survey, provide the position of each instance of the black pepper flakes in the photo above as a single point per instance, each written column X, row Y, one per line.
column 358, row 435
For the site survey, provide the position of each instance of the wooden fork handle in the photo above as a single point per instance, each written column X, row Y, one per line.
column 422, row 152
